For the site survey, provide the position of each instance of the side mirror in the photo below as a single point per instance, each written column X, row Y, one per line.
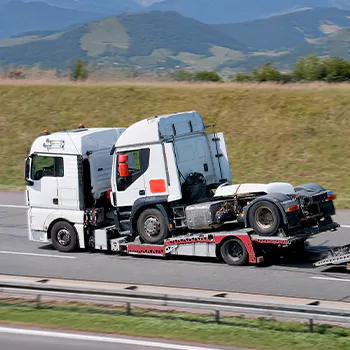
column 27, row 168
column 123, row 166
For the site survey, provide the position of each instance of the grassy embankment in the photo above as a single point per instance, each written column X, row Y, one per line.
column 294, row 134
column 240, row 332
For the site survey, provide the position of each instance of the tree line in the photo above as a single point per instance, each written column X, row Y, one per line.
column 308, row 69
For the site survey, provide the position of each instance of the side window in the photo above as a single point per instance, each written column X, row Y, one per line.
column 137, row 162
column 46, row 166
column 134, row 161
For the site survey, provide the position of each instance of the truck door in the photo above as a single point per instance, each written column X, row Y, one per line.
column 42, row 183
column 131, row 185
column 42, row 173
column 157, row 179
column 219, row 155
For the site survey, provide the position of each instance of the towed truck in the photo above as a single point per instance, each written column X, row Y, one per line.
column 159, row 187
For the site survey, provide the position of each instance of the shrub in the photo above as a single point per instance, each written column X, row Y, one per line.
column 207, row 76
column 337, row 70
column 184, row 75
column 310, row 68
column 80, row 72
column 266, row 73
column 242, row 77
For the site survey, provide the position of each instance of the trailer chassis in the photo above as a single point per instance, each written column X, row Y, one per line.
column 236, row 247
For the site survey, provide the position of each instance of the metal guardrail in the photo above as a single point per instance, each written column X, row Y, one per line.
column 216, row 304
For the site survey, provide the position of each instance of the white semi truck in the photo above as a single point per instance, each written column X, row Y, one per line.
column 161, row 186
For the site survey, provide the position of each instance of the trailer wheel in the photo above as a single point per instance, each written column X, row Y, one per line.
column 234, row 252
column 264, row 218
column 64, row 237
column 151, row 226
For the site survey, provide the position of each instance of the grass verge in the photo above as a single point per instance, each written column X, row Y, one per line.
column 241, row 332
column 274, row 133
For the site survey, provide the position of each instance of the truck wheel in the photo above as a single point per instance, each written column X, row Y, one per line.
column 264, row 218
column 151, row 226
column 63, row 237
column 234, row 252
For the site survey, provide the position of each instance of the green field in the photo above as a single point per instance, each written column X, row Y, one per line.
column 260, row 334
column 297, row 134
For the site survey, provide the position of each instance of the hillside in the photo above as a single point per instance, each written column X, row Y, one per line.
column 336, row 45
column 307, row 127
column 288, row 31
column 228, row 11
column 146, row 39
column 17, row 17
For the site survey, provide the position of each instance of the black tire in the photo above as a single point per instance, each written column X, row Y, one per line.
column 152, row 227
column 264, row 218
column 234, row 252
column 64, row 237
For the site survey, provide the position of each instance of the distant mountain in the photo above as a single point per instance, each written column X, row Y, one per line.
column 228, row 11
column 288, row 31
column 207, row 11
column 149, row 39
column 105, row 6
column 336, row 44
column 17, row 17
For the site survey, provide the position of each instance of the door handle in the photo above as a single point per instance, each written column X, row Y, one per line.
column 142, row 192
column 55, row 201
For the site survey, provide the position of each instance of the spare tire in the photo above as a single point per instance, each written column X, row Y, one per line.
column 264, row 218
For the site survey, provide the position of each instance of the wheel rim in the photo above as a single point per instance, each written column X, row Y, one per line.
column 151, row 226
column 264, row 218
column 234, row 250
column 63, row 237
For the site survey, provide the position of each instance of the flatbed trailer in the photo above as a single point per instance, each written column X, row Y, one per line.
column 236, row 247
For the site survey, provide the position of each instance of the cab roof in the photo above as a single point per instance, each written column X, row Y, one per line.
column 77, row 141
column 159, row 128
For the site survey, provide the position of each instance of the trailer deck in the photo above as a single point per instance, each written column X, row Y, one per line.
column 236, row 246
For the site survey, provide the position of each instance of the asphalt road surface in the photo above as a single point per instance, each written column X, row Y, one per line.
column 36, row 339
column 18, row 256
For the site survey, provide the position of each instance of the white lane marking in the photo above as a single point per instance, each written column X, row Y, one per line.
column 102, row 339
column 14, row 206
column 40, row 255
column 330, row 279
column 345, row 226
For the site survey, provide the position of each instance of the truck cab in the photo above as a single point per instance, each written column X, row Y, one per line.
column 152, row 161
column 67, row 173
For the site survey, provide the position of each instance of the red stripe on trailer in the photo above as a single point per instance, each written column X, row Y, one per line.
column 189, row 240
column 145, row 249
column 271, row 241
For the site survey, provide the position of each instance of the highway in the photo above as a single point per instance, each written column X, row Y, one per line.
column 18, row 256
column 38, row 339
